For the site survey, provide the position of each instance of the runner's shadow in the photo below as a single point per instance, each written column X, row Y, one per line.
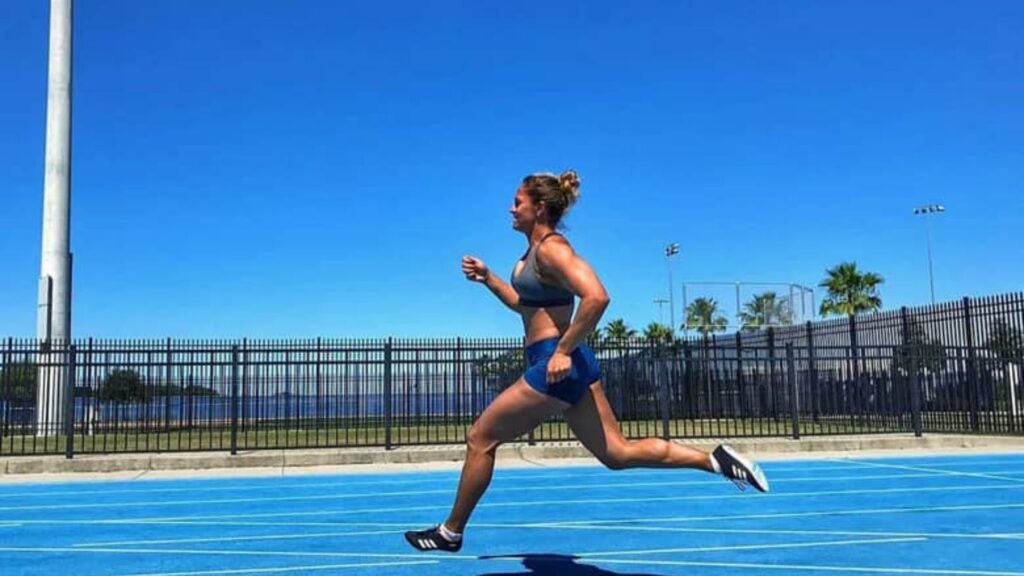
column 555, row 565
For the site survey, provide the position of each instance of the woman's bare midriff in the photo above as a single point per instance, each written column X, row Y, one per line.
column 543, row 323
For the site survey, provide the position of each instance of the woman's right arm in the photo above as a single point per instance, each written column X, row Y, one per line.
column 476, row 271
column 503, row 290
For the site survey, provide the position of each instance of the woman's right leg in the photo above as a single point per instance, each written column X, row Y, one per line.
column 513, row 413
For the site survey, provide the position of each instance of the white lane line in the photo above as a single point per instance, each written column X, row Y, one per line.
column 239, row 538
column 162, row 503
column 715, row 482
column 621, row 523
column 772, row 532
column 199, row 552
column 597, row 559
column 342, row 481
column 596, row 555
column 733, row 548
column 815, row 568
column 379, row 532
column 229, row 520
column 933, row 470
column 598, row 501
column 200, row 521
column 267, row 487
column 847, row 512
column 284, row 569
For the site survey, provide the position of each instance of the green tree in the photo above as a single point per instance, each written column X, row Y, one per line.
column 1005, row 341
column 764, row 310
column 178, row 390
column 499, row 372
column 122, row 386
column 927, row 353
column 18, row 381
column 659, row 333
column 703, row 316
column 850, row 291
column 617, row 333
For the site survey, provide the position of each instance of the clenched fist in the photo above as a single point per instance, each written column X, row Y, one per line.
column 474, row 269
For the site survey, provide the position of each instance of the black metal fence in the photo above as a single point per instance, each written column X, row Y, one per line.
column 950, row 368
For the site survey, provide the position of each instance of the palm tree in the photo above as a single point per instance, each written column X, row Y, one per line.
column 702, row 315
column 850, row 291
column 617, row 332
column 659, row 333
column 765, row 309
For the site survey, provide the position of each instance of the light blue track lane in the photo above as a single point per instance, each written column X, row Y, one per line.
column 939, row 515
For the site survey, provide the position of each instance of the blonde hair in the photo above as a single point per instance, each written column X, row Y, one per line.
column 558, row 193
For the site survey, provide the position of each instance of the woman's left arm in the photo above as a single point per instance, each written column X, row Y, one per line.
column 559, row 261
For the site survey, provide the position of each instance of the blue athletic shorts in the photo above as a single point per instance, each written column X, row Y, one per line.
column 584, row 372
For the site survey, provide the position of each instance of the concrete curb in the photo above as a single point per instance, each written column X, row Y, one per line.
column 266, row 459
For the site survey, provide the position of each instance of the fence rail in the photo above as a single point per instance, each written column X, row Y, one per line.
column 911, row 370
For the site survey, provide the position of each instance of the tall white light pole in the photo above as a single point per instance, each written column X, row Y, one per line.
column 926, row 211
column 54, row 312
column 671, row 250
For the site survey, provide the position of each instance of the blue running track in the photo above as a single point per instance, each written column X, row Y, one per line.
column 942, row 515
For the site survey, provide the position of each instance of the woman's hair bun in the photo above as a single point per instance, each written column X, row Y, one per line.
column 569, row 181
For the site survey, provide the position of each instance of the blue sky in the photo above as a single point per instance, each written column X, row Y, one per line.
column 300, row 169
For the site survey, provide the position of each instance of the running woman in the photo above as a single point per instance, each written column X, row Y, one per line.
column 563, row 375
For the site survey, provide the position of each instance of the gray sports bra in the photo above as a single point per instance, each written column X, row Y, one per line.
column 534, row 293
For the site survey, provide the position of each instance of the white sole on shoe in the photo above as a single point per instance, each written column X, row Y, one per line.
column 759, row 480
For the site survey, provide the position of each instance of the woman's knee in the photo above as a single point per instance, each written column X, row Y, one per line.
column 479, row 440
column 616, row 456
column 626, row 454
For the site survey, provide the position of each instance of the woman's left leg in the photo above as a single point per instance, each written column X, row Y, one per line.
column 593, row 422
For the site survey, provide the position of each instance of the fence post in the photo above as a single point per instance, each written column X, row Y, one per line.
column 794, row 395
column 774, row 411
column 387, row 394
column 914, row 382
column 6, row 393
column 972, row 376
column 1016, row 367
column 688, row 385
column 234, row 400
column 245, row 385
column 855, row 370
column 90, row 407
column 167, row 390
column 664, row 391
column 812, row 369
column 319, row 391
column 69, row 404
column 459, row 380
column 904, row 356
column 287, row 390
column 910, row 354
column 531, row 440
column 739, row 376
